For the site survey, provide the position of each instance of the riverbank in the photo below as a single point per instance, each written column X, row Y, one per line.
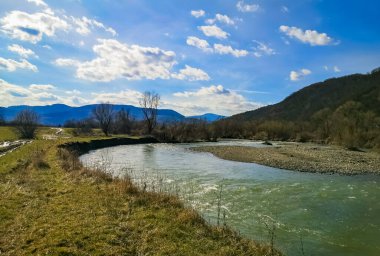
column 51, row 204
column 304, row 157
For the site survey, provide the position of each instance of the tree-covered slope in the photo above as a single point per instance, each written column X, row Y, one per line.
column 332, row 93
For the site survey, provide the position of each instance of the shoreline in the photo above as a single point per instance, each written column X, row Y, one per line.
column 83, row 147
column 52, row 178
column 302, row 157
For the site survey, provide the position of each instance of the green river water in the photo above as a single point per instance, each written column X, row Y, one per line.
column 314, row 213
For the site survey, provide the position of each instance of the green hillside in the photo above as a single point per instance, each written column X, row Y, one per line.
column 344, row 111
column 331, row 94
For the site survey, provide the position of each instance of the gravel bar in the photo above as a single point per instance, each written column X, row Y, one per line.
column 304, row 157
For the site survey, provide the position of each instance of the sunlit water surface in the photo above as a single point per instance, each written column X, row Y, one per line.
column 319, row 214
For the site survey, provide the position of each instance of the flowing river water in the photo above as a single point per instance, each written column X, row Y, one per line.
column 309, row 214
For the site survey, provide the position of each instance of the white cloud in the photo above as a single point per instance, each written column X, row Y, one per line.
column 222, row 19
column 130, row 97
column 284, row 9
column 73, row 92
column 198, row 13
column 262, row 49
column 23, row 52
column 31, row 27
column 38, row 2
column 213, row 31
column 12, row 65
column 215, row 99
column 199, row 43
column 11, row 94
column 62, row 62
column 242, row 7
column 227, row 49
column 311, row 37
column 84, row 25
column 49, row 11
column 297, row 75
column 36, row 95
column 47, row 97
column 117, row 60
column 336, row 69
column 8, row 92
column 217, row 48
column 191, row 74
column 204, row 91
column 41, row 87
column 76, row 101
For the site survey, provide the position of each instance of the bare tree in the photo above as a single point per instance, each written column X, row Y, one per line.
column 2, row 119
column 103, row 113
column 149, row 104
column 123, row 122
column 26, row 123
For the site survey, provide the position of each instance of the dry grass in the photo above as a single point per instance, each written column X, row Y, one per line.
column 51, row 205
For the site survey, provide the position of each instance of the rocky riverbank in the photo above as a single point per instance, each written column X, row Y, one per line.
column 302, row 157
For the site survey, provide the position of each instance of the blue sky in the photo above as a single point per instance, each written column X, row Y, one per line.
column 201, row 56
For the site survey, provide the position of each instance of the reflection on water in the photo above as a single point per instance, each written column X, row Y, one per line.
column 330, row 214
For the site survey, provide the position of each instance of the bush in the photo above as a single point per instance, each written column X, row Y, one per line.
column 26, row 123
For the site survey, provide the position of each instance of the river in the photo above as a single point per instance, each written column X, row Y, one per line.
column 309, row 214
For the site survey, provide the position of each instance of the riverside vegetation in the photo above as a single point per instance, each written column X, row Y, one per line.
column 343, row 111
column 51, row 204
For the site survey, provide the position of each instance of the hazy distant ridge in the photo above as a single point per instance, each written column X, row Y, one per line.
column 58, row 114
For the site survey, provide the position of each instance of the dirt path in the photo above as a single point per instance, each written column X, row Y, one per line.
column 56, row 134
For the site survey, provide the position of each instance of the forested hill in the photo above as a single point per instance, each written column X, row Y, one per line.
column 330, row 94
column 343, row 111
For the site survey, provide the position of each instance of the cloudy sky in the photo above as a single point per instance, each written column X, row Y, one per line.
column 225, row 56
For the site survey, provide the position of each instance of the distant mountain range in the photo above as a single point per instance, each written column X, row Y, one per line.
column 209, row 117
column 332, row 93
column 58, row 114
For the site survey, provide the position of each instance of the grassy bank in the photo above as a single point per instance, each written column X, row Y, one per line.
column 7, row 133
column 303, row 157
column 51, row 205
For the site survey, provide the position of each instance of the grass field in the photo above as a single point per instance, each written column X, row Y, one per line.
column 51, row 205
column 7, row 133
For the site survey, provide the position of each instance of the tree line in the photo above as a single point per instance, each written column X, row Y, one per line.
column 110, row 121
column 350, row 125
column 103, row 116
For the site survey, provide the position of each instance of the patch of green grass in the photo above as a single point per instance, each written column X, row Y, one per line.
column 7, row 133
column 51, row 205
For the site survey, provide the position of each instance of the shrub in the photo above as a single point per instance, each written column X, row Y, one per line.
column 26, row 123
